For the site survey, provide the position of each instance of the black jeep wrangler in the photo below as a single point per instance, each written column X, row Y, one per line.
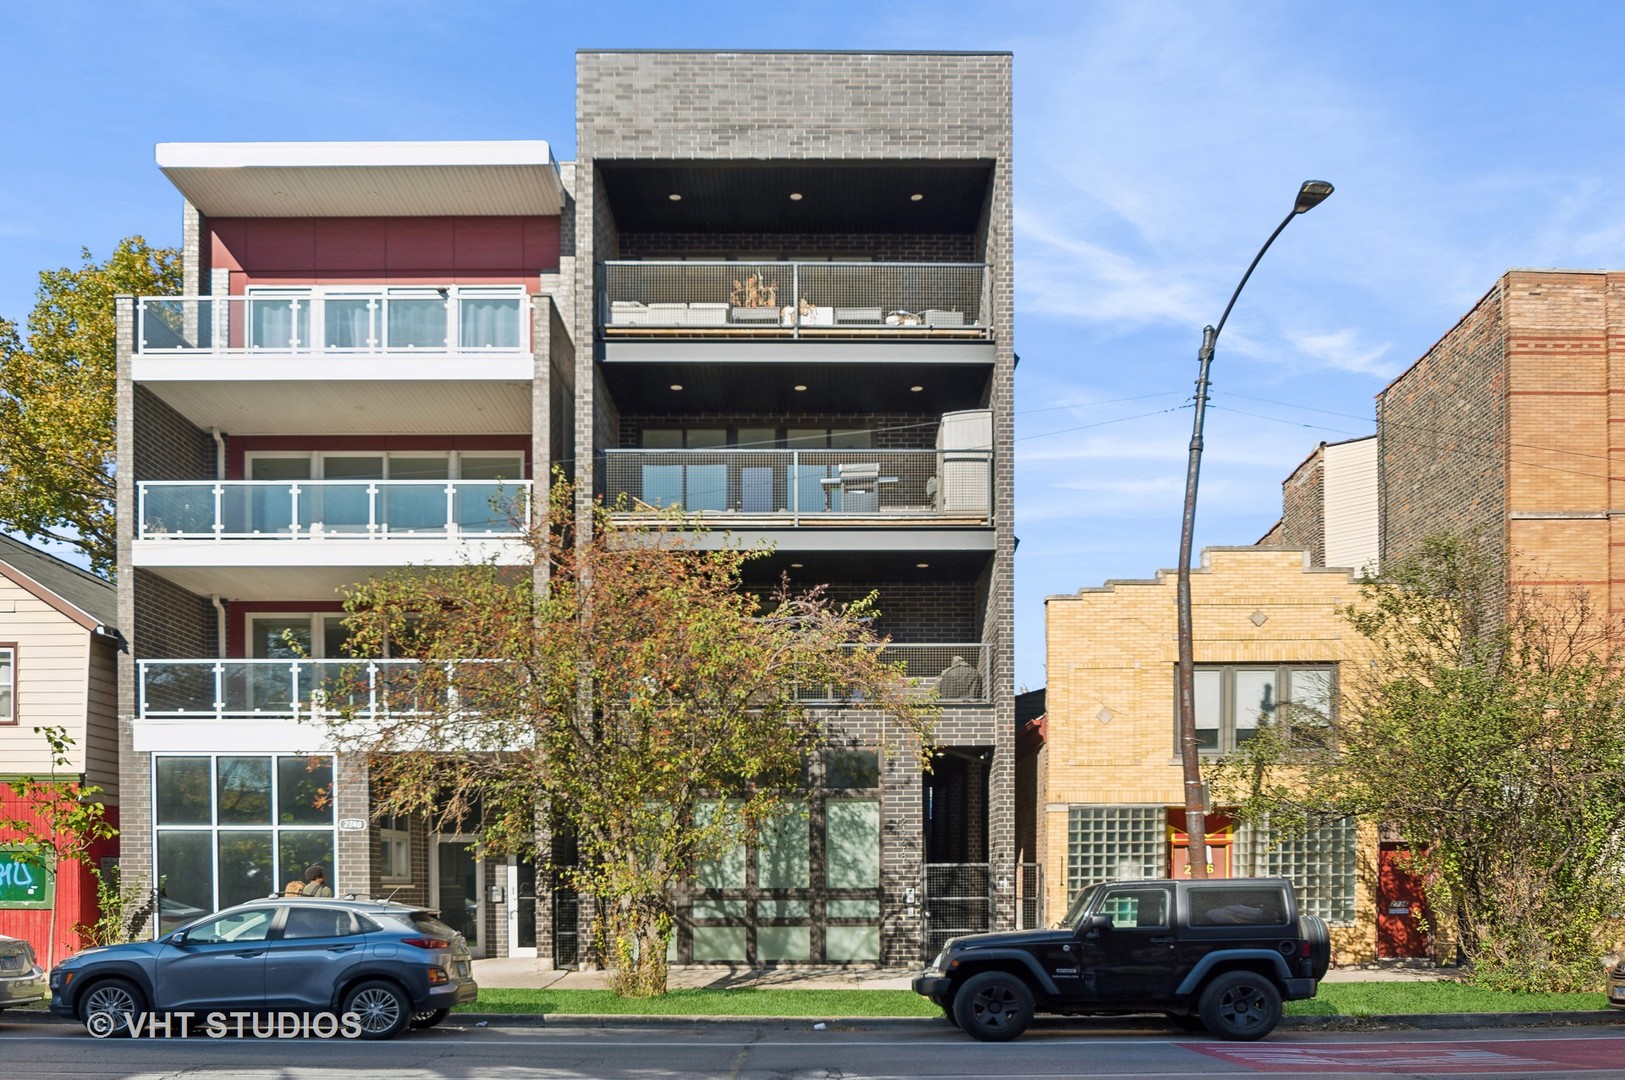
column 1219, row 955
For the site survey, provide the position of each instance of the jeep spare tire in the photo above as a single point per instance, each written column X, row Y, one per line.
column 1312, row 928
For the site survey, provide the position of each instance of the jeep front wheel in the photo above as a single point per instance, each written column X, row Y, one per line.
column 993, row 1006
column 1240, row 1006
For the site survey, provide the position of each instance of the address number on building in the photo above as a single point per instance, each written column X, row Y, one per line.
column 352, row 824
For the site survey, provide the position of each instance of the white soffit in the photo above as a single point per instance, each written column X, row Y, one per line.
column 365, row 179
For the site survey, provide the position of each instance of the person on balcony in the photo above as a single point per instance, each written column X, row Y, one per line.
column 960, row 681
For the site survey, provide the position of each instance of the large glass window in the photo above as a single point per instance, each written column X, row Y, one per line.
column 231, row 827
column 1234, row 702
column 807, row 890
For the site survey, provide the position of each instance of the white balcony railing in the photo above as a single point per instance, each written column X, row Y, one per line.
column 338, row 321
column 783, row 299
column 309, row 510
column 796, row 487
column 315, row 690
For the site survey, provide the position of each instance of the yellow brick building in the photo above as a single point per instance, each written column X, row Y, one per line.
column 1108, row 799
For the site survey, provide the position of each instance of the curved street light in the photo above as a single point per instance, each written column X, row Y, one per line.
column 1310, row 195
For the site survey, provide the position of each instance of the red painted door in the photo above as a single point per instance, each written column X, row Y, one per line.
column 1401, row 908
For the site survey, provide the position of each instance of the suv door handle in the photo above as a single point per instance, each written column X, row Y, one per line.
column 340, row 948
column 256, row 952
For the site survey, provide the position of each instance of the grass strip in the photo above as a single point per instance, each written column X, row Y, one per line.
column 1334, row 999
column 1440, row 996
column 739, row 1002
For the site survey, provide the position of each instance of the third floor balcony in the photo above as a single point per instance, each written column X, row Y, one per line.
column 353, row 359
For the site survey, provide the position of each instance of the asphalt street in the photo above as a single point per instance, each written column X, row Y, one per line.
column 796, row 1051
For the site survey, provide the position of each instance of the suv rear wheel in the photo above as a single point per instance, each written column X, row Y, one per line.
column 993, row 1006
column 1240, row 1006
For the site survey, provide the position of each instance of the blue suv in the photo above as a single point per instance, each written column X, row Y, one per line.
column 387, row 965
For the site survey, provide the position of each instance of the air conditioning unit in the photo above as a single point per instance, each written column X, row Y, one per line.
column 965, row 461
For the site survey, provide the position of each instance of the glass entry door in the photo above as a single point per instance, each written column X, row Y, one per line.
column 458, row 885
column 522, row 908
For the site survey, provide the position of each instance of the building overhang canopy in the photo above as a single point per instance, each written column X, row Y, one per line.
column 365, row 179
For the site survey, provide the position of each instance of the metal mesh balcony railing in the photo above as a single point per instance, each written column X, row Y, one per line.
column 798, row 487
column 317, row 689
column 338, row 321
column 793, row 299
column 330, row 509
column 957, row 672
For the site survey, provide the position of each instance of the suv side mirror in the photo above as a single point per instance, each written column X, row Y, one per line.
column 1094, row 925
column 178, row 938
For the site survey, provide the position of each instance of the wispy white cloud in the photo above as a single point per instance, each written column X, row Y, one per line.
column 1343, row 350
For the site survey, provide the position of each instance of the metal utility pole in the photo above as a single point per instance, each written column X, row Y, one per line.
column 1310, row 195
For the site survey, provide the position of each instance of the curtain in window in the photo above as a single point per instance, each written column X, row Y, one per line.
column 349, row 322
column 489, row 323
column 417, row 323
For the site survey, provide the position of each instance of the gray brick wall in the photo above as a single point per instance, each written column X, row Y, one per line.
column 1303, row 508
column 784, row 106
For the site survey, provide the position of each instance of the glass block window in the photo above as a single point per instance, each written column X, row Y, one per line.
column 1111, row 843
column 1319, row 862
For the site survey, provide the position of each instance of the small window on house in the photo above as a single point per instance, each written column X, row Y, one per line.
column 394, row 850
column 8, row 684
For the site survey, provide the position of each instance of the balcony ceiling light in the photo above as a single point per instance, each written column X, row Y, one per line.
column 797, row 566
column 674, row 197
column 676, row 386
column 922, row 565
column 800, row 386
column 795, row 196
column 916, row 389
column 916, row 197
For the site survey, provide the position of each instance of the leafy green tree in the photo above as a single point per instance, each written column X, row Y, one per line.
column 639, row 693
column 53, row 821
column 57, row 399
column 1489, row 731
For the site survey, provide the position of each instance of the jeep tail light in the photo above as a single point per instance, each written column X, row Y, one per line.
column 1306, row 949
column 427, row 942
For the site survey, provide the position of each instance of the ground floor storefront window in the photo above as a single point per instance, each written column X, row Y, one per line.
column 808, row 890
column 236, row 827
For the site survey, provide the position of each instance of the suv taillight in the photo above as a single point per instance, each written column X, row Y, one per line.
column 427, row 942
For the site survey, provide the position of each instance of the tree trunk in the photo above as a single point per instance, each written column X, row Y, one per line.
column 641, row 932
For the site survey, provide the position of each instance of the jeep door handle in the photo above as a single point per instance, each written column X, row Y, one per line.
column 1161, row 940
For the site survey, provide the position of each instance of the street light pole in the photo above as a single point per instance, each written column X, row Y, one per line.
column 1310, row 195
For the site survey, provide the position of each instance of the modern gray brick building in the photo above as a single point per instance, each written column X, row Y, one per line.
column 774, row 288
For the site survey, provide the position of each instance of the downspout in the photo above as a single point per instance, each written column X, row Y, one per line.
column 219, row 624
column 219, row 453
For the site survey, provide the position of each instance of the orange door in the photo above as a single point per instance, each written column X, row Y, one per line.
column 1221, row 832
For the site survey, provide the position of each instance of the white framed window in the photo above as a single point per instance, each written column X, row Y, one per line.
column 1235, row 701
column 8, row 682
column 394, row 850
column 384, row 465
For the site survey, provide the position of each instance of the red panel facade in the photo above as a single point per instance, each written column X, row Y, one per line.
column 75, row 898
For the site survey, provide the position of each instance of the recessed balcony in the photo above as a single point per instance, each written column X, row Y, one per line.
column 821, row 301
column 773, row 489
column 450, row 358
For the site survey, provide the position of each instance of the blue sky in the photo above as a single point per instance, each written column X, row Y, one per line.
column 1156, row 146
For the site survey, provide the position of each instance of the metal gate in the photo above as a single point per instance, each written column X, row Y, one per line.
column 958, row 900
column 1029, row 896
column 566, row 926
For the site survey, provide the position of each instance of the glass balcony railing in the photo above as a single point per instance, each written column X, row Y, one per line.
column 279, row 689
column 782, row 299
column 798, row 487
column 310, row 510
column 334, row 321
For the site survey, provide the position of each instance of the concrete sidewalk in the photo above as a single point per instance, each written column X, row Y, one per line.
column 518, row 972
